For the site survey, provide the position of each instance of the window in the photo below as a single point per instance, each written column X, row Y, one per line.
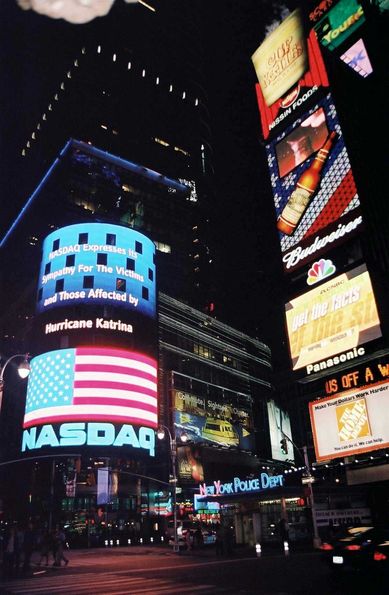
column 203, row 350
column 139, row 247
column 145, row 293
column 130, row 264
column 59, row 285
column 70, row 260
column 47, row 268
column 82, row 238
column 56, row 244
column 40, row 294
column 102, row 259
column 151, row 275
column 163, row 247
column 88, row 282
column 120, row 284
column 111, row 239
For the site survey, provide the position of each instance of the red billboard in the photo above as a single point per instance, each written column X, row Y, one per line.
column 315, row 195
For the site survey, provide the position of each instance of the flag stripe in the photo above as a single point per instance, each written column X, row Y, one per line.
column 134, row 395
column 95, row 351
column 114, row 401
column 74, row 416
column 103, row 377
column 116, row 370
column 112, row 360
column 96, row 384
column 74, row 411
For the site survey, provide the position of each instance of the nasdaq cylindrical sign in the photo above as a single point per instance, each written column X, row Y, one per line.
column 91, row 396
column 93, row 380
column 97, row 263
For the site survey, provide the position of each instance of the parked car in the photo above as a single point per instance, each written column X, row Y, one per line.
column 358, row 548
column 208, row 535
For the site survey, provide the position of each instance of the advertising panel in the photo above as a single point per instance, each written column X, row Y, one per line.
column 313, row 186
column 91, row 396
column 279, row 426
column 189, row 466
column 352, row 422
column 97, row 264
column 337, row 316
column 357, row 58
column 339, row 23
column 290, row 71
column 203, row 419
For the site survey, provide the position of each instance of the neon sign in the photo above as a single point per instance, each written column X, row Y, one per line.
column 239, row 486
column 90, row 434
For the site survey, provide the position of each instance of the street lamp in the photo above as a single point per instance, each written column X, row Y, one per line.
column 23, row 371
column 161, row 433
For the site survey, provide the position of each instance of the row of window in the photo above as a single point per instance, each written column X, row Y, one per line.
column 88, row 283
column 110, row 240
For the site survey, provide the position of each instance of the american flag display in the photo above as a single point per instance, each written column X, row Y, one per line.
column 92, row 384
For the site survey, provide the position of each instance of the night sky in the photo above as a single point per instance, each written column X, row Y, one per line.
column 35, row 52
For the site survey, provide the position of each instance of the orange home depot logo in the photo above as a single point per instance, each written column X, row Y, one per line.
column 352, row 420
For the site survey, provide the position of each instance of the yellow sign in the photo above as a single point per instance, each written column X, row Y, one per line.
column 281, row 60
column 332, row 318
column 352, row 420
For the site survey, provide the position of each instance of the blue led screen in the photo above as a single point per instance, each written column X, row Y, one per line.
column 98, row 263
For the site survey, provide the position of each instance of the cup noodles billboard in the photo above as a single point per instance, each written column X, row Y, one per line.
column 352, row 422
column 334, row 318
column 290, row 71
column 330, row 213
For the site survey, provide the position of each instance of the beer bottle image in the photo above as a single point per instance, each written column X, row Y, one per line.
column 306, row 186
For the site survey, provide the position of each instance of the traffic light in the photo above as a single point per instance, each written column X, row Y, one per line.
column 284, row 446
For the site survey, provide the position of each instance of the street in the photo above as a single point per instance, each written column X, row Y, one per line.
column 124, row 571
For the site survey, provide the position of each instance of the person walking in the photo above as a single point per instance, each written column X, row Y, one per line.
column 45, row 547
column 284, row 530
column 11, row 553
column 28, row 546
column 60, row 543
column 219, row 540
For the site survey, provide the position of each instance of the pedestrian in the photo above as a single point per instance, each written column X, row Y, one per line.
column 219, row 540
column 198, row 539
column 28, row 546
column 60, row 544
column 45, row 547
column 284, row 530
column 188, row 540
column 11, row 553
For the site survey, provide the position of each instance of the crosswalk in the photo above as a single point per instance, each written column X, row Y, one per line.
column 103, row 584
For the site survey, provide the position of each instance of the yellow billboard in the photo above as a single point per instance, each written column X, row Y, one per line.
column 281, row 60
column 333, row 318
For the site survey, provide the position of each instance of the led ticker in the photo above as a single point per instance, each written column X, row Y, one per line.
column 78, row 396
column 290, row 70
column 351, row 422
column 337, row 317
column 97, row 264
column 330, row 215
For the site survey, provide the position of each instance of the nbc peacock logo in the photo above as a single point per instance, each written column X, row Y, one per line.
column 320, row 270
